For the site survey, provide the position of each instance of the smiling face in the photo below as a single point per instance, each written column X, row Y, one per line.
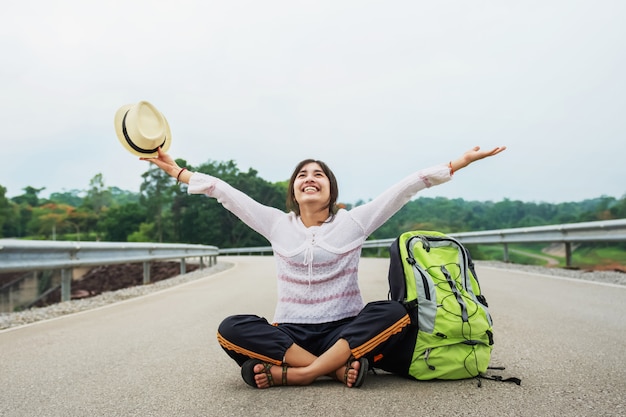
column 312, row 183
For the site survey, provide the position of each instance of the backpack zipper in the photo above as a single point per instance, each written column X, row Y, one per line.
column 457, row 294
column 480, row 299
column 426, row 355
column 411, row 260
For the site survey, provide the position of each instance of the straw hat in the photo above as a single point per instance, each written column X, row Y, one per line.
column 141, row 129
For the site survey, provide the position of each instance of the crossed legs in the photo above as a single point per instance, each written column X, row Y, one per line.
column 299, row 354
column 304, row 367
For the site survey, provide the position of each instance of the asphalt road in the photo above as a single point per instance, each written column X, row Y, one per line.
column 157, row 355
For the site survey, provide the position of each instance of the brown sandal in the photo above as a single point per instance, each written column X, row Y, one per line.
column 362, row 371
column 247, row 372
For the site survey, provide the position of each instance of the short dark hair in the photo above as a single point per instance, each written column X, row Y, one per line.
column 293, row 205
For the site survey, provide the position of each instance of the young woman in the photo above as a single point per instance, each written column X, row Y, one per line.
column 321, row 326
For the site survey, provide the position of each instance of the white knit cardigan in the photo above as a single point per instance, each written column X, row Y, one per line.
column 317, row 266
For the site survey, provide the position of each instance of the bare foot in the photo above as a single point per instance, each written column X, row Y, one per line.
column 260, row 376
column 348, row 375
column 269, row 376
column 263, row 375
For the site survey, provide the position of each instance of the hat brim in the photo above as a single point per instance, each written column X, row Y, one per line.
column 118, row 121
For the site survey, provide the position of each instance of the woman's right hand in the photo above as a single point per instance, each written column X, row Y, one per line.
column 169, row 165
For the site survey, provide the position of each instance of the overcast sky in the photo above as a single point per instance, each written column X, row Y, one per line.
column 377, row 89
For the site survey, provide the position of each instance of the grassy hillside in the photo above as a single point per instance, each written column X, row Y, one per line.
column 607, row 257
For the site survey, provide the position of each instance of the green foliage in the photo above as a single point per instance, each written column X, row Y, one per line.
column 606, row 255
column 121, row 221
column 584, row 256
column 120, row 197
column 5, row 210
column 486, row 252
column 30, row 196
column 71, row 198
column 618, row 210
column 98, row 196
column 157, row 193
column 18, row 216
column 163, row 212
column 202, row 220
column 145, row 233
column 458, row 215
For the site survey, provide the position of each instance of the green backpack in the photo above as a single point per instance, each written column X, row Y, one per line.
column 451, row 336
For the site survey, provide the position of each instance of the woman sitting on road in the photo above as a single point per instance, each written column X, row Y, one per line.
column 321, row 326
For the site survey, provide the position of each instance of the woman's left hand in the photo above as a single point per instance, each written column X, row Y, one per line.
column 474, row 155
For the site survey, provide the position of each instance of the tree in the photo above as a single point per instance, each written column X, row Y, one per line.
column 146, row 230
column 163, row 211
column 119, row 222
column 72, row 198
column 121, row 197
column 619, row 209
column 50, row 219
column 201, row 220
column 21, row 215
column 98, row 196
column 5, row 210
column 157, row 193
column 30, row 196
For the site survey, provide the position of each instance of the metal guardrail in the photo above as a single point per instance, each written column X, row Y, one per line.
column 598, row 231
column 31, row 255
column 246, row 251
column 20, row 255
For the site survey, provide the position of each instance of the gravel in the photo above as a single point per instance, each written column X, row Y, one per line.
column 9, row 320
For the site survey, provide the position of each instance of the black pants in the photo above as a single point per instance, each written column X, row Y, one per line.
column 370, row 334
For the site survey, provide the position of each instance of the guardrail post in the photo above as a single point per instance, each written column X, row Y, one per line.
column 146, row 272
column 66, row 284
column 568, row 254
column 183, row 266
column 202, row 262
column 506, row 253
